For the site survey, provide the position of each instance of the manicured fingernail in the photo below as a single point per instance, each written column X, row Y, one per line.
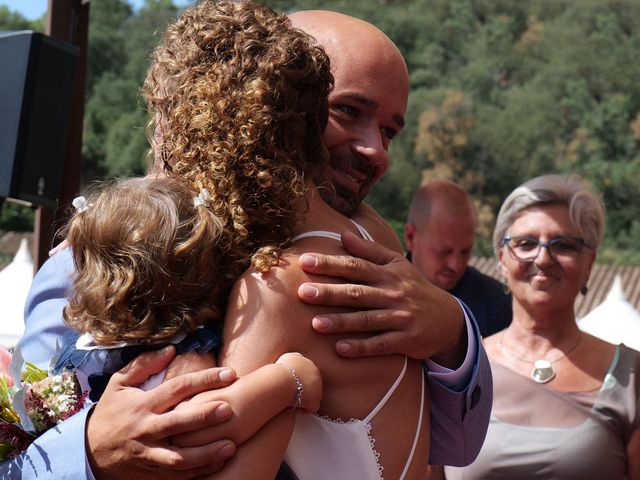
column 309, row 291
column 163, row 350
column 227, row 451
column 308, row 260
column 344, row 347
column 223, row 412
column 321, row 323
column 227, row 375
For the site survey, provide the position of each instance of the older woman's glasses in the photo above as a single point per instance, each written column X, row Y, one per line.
column 561, row 249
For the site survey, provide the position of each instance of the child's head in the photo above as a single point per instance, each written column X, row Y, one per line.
column 145, row 260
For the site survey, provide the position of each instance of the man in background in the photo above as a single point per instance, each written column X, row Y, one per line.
column 439, row 235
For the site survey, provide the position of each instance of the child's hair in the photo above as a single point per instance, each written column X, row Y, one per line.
column 144, row 254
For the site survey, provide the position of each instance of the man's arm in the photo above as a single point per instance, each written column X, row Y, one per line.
column 408, row 315
column 60, row 451
column 121, row 408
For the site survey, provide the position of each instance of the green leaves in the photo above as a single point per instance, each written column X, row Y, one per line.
column 33, row 373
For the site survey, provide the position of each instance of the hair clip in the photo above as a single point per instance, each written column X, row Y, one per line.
column 80, row 203
column 202, row 198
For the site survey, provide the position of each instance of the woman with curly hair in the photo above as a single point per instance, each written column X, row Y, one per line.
column 238, row 100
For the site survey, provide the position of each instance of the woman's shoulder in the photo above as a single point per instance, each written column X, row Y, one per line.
column 377, row 226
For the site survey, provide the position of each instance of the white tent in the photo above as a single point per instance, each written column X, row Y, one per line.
column 15, row 281
column 614, row 320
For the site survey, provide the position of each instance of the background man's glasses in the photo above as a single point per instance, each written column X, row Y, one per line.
column 562, row 249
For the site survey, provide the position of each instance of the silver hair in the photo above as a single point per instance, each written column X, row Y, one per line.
column 586, row 209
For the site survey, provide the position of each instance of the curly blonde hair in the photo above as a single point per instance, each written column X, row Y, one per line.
column 239, row 98
column 139, row 251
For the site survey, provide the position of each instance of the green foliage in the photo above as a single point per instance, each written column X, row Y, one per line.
column 15, row 218
column 120, row 41
column 10, row 20
column 33, row 373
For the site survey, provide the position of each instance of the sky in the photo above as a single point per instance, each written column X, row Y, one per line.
column 32, row 9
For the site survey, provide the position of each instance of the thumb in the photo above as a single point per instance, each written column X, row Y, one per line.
column 144, row 366
column 367, row 250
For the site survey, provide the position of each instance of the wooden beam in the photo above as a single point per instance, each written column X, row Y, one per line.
column 67, row 20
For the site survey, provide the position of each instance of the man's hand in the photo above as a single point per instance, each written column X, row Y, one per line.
column 405, row 313
column 128, row 431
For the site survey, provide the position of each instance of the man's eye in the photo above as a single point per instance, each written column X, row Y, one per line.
column 389, row 132
column 346, row 109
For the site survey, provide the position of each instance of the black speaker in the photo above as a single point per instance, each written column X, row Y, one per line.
column 36, row 88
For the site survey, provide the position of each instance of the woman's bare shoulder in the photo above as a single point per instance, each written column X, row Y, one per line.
column 265, row 317
column 377, row 226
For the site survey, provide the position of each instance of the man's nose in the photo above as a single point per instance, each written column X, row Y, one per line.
column 374, row 147
column 455, row 262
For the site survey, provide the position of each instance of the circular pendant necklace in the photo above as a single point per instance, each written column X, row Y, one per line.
column 542, row 371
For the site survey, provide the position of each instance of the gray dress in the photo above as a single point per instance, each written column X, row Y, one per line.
column 536, row 432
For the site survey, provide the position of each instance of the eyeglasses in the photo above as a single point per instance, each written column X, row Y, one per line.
column 561, row 249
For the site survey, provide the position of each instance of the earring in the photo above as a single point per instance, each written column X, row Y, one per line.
column 584, row 289
column 505, row 287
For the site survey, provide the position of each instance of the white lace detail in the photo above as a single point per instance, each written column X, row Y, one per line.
column 372, row 442
column 336, row 420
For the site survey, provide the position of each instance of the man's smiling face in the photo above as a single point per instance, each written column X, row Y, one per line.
column 366, row 107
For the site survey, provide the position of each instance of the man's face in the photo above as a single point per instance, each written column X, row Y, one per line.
column 366, row 111
column 441, row 249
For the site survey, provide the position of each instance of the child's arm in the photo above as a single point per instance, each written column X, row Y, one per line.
column 189, row 362
column 258, row 397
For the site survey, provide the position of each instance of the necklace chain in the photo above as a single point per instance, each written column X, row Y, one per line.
column 517, row 357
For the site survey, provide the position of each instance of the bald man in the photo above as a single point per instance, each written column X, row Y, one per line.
column 367, row 108
column 439, row 236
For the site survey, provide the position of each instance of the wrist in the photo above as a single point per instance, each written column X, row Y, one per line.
column 92, row 466
column 455, row 344
column 305, row 380
column 299, row 387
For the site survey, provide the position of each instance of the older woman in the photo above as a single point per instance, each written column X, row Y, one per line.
column 566, row 404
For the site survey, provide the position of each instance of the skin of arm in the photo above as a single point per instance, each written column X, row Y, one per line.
column 258, row 397
column 249, row 344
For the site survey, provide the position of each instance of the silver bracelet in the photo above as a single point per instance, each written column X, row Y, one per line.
column 299, row 386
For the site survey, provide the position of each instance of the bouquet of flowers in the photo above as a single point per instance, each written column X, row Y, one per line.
column 34, row 404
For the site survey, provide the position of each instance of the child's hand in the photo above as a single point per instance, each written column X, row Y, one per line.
column 310, row 378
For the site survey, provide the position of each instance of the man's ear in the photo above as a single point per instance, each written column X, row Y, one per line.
column 409, row 235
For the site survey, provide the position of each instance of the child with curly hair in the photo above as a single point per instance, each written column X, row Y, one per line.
column 146, row 277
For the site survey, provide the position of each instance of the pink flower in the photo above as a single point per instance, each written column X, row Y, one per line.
column 5, row 360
